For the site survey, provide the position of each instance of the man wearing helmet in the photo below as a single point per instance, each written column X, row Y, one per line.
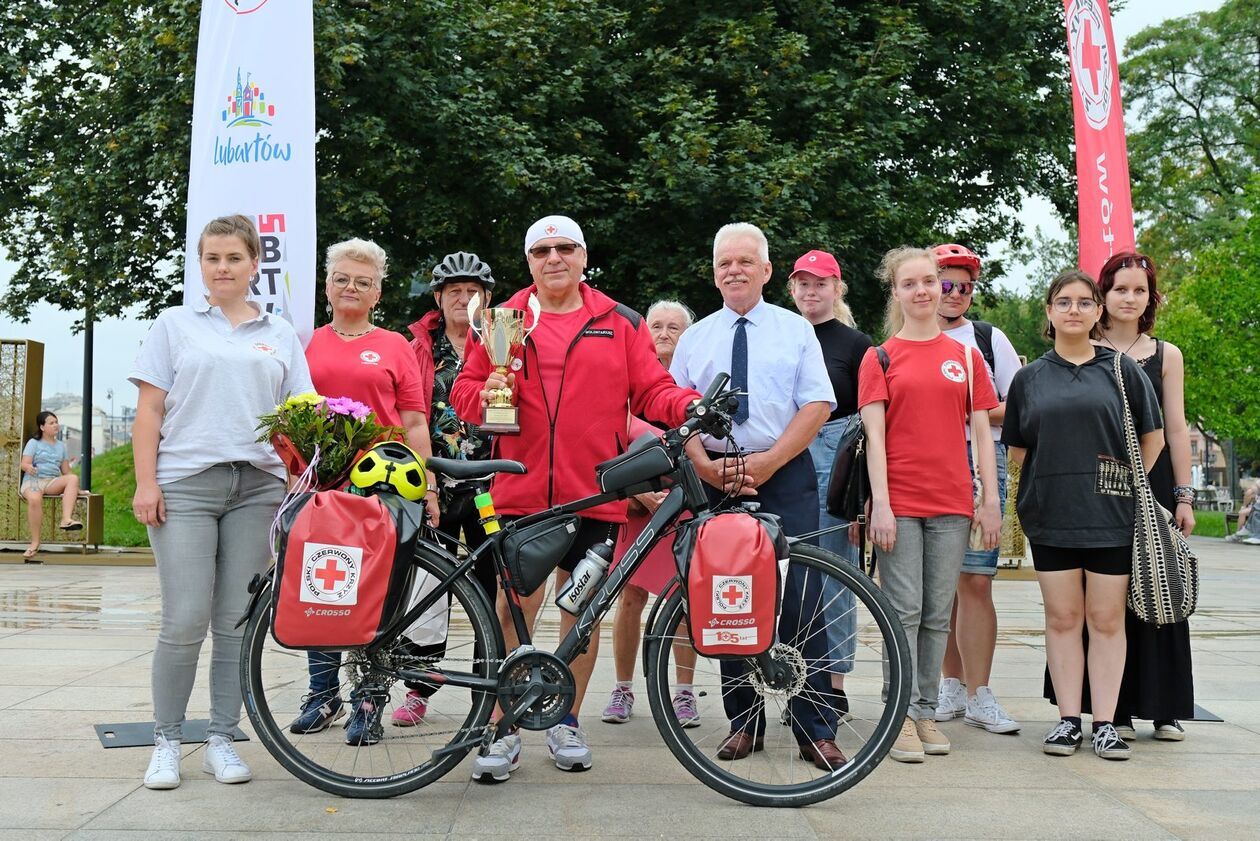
column 588, row 360
column 964, row 689
column 439, row 340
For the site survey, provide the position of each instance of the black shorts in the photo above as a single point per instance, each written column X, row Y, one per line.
column 590, row 532
column 1101, row 560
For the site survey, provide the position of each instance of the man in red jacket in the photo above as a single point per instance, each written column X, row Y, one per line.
column 588, row 362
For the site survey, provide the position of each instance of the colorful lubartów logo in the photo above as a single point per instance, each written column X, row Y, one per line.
column 247, row 105
column 244, row 7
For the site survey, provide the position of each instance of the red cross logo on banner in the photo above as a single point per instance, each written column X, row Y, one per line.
column 1092, row 56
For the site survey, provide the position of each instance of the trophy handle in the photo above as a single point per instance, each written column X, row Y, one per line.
column 474, row 306
column 535, row 310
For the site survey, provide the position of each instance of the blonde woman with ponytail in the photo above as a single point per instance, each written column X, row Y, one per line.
column 818, row 290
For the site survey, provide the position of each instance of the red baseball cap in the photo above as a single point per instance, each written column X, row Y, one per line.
column 818, row 263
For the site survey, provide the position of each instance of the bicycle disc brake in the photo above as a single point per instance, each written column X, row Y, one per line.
column 790, row 684
column 542, row 682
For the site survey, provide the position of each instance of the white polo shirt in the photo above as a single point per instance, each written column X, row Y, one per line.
column 785, row 369
column 218, row 381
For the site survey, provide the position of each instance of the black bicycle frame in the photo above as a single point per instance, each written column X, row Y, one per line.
column 686, row 492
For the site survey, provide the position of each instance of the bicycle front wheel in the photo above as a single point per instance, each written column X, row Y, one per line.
column 378, row 739
column 834, row 621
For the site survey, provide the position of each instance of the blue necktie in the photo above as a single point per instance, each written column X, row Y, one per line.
column 739, row 368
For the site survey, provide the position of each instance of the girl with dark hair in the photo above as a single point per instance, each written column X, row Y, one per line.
column 1158, row 684
column 46, row 472
column 1064, row 426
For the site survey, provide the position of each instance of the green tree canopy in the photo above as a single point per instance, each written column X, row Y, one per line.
column 1194, row 85
column 1215, row 320
column 452, row 125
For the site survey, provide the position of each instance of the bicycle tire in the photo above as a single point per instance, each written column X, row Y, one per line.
column 724, row 776
column 268, row 673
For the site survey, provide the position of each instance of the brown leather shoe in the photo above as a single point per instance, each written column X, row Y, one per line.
column 824, row 754
column 739, row 744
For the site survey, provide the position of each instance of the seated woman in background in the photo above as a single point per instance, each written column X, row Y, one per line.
column 46, row 472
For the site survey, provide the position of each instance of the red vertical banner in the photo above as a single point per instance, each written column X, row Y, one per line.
column 1102, row 159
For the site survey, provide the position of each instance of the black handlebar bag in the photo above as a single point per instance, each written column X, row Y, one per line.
column 731, row 564
column 344, row 572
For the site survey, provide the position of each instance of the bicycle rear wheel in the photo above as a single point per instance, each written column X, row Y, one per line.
column 844, row 625
column 396, row 759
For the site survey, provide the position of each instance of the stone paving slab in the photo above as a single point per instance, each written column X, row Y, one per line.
column 77, row 642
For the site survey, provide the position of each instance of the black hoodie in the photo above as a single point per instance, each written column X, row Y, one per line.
column 1075, row 487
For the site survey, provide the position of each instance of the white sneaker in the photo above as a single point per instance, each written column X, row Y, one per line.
column 983, row 710
column 223, row 761
column 568, row 748
column 163, row 770
column 951, row 699
column 500, row 761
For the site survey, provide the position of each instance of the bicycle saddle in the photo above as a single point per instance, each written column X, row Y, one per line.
column 460, row 469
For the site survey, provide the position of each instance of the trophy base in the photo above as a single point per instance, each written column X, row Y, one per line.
column 500, row 420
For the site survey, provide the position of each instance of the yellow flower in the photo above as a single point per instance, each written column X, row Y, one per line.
column 308, row 399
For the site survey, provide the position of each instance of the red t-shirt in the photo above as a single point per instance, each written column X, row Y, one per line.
column 557, row 332
column 378, row 370
column 925, row 414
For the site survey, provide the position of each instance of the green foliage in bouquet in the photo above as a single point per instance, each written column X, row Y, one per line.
column 340, row 427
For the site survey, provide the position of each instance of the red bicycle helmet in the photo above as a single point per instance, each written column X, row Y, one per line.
column 957, row 255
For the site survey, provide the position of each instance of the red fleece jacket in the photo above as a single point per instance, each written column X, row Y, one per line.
column 422, row 344
column 611, row 368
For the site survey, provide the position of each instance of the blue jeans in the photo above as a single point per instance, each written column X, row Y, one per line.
column 841, row 612
column 982, row 561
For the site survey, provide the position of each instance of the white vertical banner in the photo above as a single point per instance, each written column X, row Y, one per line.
column 253, row 145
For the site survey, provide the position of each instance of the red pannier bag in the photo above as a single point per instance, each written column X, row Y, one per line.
column 344, row 572
column 729, row 563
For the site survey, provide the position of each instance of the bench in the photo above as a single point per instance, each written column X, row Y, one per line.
column 89, row 509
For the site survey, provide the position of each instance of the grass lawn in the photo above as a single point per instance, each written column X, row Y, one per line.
column 1209, row 523
column 114, row 477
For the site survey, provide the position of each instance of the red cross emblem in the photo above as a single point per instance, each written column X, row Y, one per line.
column 953, row 371
column 1092, row 56
column 551, row 230
column 732, row 594
column 330, row 574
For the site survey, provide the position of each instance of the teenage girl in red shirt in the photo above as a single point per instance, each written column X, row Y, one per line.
column 914, row 414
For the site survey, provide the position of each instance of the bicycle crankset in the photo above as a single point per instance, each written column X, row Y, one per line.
column 536, row 688
column 780, row 672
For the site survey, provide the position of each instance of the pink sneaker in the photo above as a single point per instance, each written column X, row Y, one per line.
column 411, row 712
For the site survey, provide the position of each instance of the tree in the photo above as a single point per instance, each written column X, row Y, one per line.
column 1020, row 315
column 1194, row 84
column 1213, row 317
column 452, row 125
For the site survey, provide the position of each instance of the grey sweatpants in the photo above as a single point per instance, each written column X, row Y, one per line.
column 920, row 576
column 213, row 542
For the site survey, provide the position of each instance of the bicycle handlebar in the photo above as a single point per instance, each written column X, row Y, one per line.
column 712, row 414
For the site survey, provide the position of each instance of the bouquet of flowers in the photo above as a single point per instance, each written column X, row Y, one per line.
column 325, row 434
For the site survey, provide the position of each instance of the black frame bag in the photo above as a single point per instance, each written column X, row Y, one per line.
column 532, row 552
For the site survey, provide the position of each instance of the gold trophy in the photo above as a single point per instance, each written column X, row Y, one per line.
column 503, row 335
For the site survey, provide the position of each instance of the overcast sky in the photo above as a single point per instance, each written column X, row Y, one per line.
column 117, row 340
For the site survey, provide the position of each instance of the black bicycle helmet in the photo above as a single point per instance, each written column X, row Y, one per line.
column 461, row 265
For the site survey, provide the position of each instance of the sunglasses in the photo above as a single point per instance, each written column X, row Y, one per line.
column 541, row 252
column 1136, row 263
column 963, row 287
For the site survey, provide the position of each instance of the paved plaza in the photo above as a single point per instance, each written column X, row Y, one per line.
column 76, row 644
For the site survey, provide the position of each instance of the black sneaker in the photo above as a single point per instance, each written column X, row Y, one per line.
column 1169, row 731
column 364, row 726
column 318, row 712
column 1108, row 744
column 1063, row 740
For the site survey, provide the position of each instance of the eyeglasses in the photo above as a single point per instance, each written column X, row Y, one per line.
column 361, row 284
column 542, row 252
column 1082, row 304
column 962, row 287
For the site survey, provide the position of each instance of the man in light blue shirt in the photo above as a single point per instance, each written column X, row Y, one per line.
column 775, row 357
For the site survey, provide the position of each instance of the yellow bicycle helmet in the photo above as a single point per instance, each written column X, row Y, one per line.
column 391, row 467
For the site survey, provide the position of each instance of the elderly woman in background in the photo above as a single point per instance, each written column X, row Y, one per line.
column 350, row 357
column 667, row 320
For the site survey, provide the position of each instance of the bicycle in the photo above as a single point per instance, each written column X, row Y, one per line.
column 535, row 688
